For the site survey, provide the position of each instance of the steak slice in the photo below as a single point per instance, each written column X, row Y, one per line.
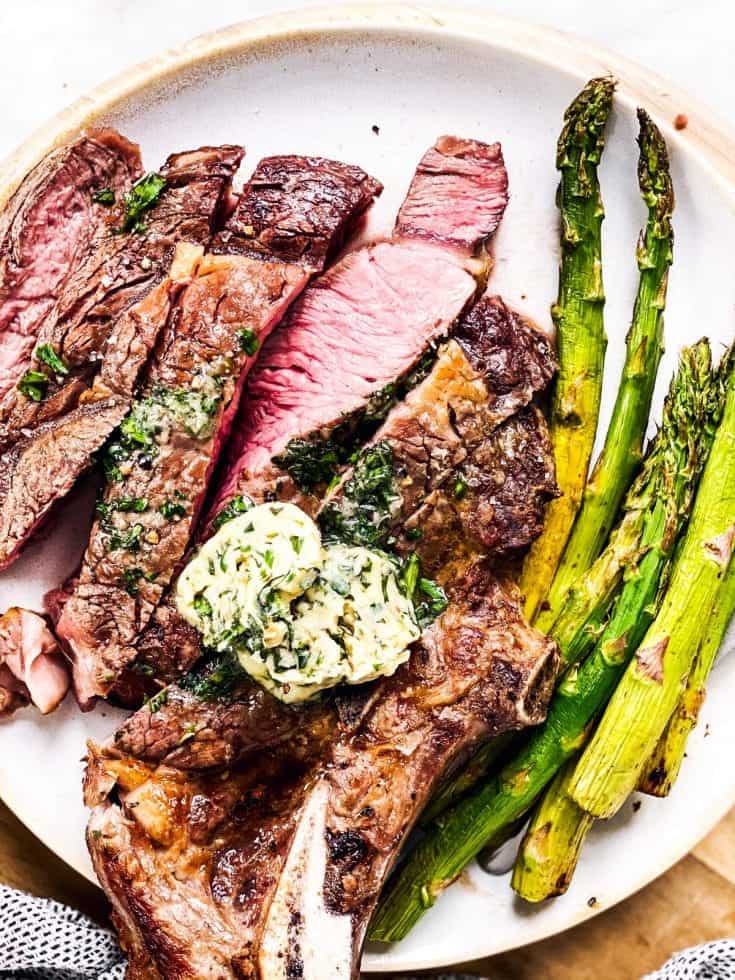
column 172, row 439
column 50, row 224
column 345, row 352
column 470, row 420
column 273, row 870
column 43, row 465
column 32, row 667
column 365, row 324
column 102, row 329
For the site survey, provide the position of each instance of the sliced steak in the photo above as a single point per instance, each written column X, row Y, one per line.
column 42, row 466
column 469, row 423
column 47, row 229
column 101, row 332
column 365, row 324
column 171, row 441
column 470, row 455
column 288, row 863
column 344, row 353
column 32, row 667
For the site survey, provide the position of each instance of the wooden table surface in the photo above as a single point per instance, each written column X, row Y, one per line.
column 691, row 903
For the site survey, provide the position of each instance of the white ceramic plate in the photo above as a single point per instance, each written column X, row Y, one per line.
column 318, row 82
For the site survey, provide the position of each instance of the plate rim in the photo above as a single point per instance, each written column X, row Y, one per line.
column 707, row 137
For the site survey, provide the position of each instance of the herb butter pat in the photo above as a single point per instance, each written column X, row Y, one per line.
column 300, row 617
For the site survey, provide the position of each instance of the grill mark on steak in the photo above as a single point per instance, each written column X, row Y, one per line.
column 46, row 230
column 358, row 328
column 103, row 327
column 229, row 297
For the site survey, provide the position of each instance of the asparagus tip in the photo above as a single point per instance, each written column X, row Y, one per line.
column 654, row 177
column 584, row 122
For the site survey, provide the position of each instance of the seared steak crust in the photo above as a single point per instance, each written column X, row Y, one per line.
column 298, row 209
column 202, row 357
column 103, row 327
column 47, row 229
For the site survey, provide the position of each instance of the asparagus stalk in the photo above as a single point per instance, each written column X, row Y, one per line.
column 551, row 845
column 659, row 500
column 578, row 316
column 663, row 767
column 623, row 449
column 654, row 681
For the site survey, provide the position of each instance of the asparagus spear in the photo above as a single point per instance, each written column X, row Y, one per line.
column 621, row 454
column 663, row 767
column 578, row 316
column 550, row 847
column 658, row 503
column 654, row 681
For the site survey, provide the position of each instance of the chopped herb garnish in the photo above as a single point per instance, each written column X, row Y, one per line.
column 127, row 505
column 310, row 462
column 157, row 701
column 409, row 577
column 460, row 489
column 414, row 533
column 127, row 540
column 33, row 385
column 105, row 196
column 238, row 505
column 131, row 580
column 248, row 341
column 214, row 680
column 433, row 605
column 297, row 543
column 202, row 607
column 362, row 514
column 169, row 509
column 143, row 195
column 46, row 353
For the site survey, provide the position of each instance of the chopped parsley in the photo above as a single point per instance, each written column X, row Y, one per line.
column 162, row 408
column 131, row 580
column 434, row 603
column 46, row 353
column 248, row 341
column 128, row 540
column 144, row 194
column 409, row 576
column 238, row 505
column 216, row 679
column 33, row 385
column 202, row 607
column 157, row 701
column 362, row 514
column 311, row 462
column 104, row 196
column 460, row 489
column 134, row 505
column 171, row 509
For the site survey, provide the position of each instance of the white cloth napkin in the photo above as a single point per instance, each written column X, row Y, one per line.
column 43, row 940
